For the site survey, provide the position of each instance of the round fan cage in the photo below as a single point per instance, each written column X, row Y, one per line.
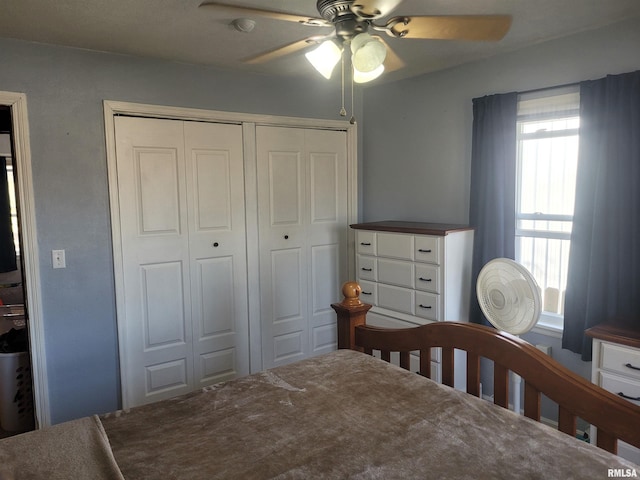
column 508, row 296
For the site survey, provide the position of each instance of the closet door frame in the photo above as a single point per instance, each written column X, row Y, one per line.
column 248, row 122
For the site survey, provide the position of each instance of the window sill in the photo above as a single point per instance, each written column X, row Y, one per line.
column 549, row 325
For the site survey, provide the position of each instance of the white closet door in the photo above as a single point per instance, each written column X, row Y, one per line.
column 217, row 244
column 185, row 319
column 326, row 233
column 157, row 348
column 303, row 227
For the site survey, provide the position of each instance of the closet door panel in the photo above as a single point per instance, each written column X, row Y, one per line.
column 302, row 206
column 326, row 281
column 324, row 191
column 162, row 305
column 281, row 175
column 217, row 243
column 287, row 299
column 167, row 376
column 215, row 279
column 285, row 188
column 217, row 332
column 212, row 199
column 157, row 339
column 287, row 281
column 326, row 232
column 167, row 353
column 157, row 190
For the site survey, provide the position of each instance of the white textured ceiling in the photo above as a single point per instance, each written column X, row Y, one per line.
column 178, row 30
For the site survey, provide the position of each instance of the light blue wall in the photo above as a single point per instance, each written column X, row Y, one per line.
column 65, row 89
column 417, row 134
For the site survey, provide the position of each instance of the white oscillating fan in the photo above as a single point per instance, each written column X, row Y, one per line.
column 509, row 297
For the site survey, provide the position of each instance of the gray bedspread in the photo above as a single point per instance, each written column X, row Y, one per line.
column 76, row 450
column 343, row 415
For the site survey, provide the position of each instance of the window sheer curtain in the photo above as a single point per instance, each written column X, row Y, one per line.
column 492, row 195
column 604, row 263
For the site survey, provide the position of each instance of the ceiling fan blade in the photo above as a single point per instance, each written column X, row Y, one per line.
column 249, row 12
column 281, row 51
column 372, row 9
column 392, row 61
column 451, row 27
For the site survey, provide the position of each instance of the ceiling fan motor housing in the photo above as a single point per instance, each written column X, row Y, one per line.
column 339, row 12
column 331, row 9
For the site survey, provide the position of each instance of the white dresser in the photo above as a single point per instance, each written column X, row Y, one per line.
column 616, row 368
column 415, row 273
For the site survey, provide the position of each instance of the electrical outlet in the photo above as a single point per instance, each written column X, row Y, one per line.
column 57, row 259
column 544, row 349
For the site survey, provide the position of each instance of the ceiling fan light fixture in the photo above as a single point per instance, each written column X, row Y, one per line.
column 325, row 57
column 367, row 53
column 364, row 77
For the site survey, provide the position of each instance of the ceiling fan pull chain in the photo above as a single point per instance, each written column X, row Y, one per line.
column 352, row 120
column 343, row 111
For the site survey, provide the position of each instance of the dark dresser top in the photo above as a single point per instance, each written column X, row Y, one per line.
column 419, row 228
column 617, row 332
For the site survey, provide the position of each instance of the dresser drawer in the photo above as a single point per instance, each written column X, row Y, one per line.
column 395, row 245
column 369, row 292
column 396, row 298
column 366, row 242
column 395, row 272
column 427, row 249
column 428, row 305
column 624, row 387
column 427, row 278
column 366, row 268
column 620, row 359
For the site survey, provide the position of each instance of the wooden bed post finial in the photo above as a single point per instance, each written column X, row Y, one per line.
column 351, row 292
column 351, row 312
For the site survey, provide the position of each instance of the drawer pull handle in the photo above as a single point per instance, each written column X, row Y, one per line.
column 365, row 244
column 367, row 269
column 637, row 399
column 421, row 250
column 425, row 279
column 366, row 293
column 425, row 306
column 628, row 365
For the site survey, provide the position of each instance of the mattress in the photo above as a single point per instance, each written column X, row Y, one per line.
column 343, row 415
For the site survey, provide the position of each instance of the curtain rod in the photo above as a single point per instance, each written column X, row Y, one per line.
column 542, row 89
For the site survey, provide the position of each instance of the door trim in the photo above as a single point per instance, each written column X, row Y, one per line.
column 249, row 122
column 31, row 274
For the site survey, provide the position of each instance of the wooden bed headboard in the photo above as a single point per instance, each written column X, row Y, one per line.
column 576, row 397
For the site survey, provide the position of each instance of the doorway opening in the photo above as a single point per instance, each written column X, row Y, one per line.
column 16, row 392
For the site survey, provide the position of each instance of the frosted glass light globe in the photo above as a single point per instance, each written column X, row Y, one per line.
column 324, row 58
column 368, row 53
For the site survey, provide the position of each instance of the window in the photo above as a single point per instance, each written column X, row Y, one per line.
column 13, row 206
column 547, row 158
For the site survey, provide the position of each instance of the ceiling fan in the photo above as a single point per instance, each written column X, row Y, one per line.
column 353, row 21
